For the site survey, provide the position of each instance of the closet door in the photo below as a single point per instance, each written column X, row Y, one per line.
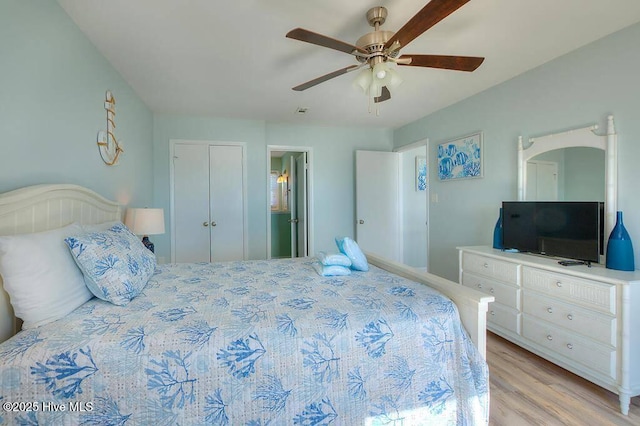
column 191, row 236
column 378, row 203
column 226, row 202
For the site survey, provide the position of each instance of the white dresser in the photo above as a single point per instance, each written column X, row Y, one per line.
column 585, row 319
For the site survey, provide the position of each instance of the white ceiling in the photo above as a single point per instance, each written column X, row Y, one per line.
column 231, row 58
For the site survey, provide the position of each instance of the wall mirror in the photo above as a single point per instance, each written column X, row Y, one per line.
column 577, row 165
column 566, row 174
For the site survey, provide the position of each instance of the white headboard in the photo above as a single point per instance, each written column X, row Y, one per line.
column 41, row 208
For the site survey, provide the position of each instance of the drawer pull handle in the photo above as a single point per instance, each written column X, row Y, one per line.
column 549, row 337
column 486, row 265
column 570, row 317
column 479, row 285
column 491, row 290
column 493, row 313
column 559, row 284
column 569, row 345
column 550, row 310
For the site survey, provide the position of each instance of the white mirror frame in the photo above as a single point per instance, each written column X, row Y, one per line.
column 584, row 137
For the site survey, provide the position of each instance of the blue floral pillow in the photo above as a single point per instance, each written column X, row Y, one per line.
column 115, row 264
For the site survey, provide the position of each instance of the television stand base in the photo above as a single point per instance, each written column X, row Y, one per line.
column 574, row 262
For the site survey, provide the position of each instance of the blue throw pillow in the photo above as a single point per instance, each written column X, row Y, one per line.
column 115, row 264
column 351, row 249
column 338, row 259
column 331, row 270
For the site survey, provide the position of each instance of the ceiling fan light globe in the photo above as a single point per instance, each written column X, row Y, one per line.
column 394, row 78
column 375, row 90
column 380, row 71
column 363, row 80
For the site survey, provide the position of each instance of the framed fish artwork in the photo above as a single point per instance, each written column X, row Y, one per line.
column 421, row 173
column 460, row 158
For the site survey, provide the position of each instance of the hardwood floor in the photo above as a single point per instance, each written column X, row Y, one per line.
column 528, row 390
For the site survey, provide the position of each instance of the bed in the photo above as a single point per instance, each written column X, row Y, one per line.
column 244, row 343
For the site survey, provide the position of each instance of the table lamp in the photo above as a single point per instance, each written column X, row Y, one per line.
column 145, row 222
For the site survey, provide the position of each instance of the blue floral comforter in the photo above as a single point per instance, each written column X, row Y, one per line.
column 251, row 343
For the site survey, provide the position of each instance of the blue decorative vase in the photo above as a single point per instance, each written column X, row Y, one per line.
column 497, row 233
column 619, row 247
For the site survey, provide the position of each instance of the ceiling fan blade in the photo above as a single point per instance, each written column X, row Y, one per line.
column 458, row 63
column 434, row 12
column 315, row 81
column 385, row 96
column 324, row 41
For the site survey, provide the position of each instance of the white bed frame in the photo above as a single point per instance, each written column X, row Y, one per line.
column 44, row 207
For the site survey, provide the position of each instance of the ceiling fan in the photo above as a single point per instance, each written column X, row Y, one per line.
column 379, row 50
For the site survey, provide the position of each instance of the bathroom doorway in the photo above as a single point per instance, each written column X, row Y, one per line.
column 289, row 213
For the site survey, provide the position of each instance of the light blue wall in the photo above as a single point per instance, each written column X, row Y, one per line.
column 280, row 235
column 52, row 91
column 575, row 90
column 333, row 162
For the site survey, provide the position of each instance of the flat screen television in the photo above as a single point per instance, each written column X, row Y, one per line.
column 567, row 229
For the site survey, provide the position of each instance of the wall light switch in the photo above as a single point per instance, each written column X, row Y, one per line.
column 434, row 198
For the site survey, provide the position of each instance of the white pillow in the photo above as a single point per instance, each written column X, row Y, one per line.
column 42, row 280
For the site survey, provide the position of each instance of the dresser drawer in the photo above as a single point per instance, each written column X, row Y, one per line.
column 592, row 356
column 600, row 327
column 587, row 293
column 505, row 294
column 490, row 267
column 503, row 317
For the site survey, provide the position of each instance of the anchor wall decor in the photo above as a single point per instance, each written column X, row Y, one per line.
column 108, row 145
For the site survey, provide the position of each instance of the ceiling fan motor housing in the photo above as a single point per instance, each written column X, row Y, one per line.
column 375, row 41
column 376, row 15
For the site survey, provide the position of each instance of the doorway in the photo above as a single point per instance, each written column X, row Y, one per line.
column 414, row 199
column 392, row 203
column 290, row 195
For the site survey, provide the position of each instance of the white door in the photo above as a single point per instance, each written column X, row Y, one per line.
column 191, row 239
column 208, row 217
column 293, row 206
column 542, row 181
column 226, row 202
column 301, row 205
column 377, row 203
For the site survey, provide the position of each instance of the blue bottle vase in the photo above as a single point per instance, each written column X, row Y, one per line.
column 619, row 248
column 497, row 233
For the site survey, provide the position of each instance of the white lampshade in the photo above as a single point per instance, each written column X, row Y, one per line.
column 394, row 78
column 363, row 80
column 375, row 90
column 145, row 221
column 372, row 80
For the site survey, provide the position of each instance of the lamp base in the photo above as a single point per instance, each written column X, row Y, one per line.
column 148, row 244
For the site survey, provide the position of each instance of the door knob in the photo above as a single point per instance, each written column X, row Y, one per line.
column 205, row 224
column 293, row 221
column 361, row 222
column 213, row 223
